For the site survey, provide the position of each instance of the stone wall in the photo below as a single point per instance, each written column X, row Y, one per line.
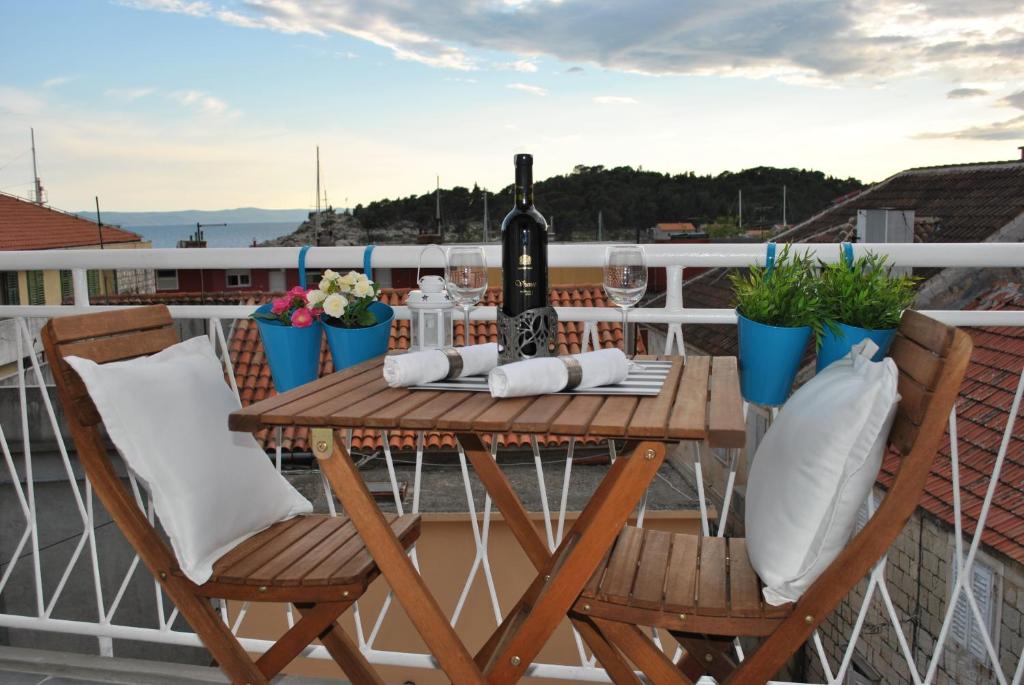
column 919, row 579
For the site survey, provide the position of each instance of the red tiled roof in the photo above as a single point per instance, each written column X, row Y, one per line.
column 25, row 225
column 252, row 374
column 982, row 411
column 963, row 203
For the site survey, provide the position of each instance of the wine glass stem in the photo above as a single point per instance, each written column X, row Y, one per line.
column 467, row 335
column 627, row 345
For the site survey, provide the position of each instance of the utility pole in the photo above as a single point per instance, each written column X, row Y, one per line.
column 741, row 209
column 99, row 221
column 784, row 224
column 437, row 212
column 487, row 221
column 600, row 225
column 35, row 173
column 316, row 217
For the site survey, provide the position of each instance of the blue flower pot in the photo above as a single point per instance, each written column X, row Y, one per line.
column 293, row 353
column 836, row 346
column 769, row 359
column 351, row 346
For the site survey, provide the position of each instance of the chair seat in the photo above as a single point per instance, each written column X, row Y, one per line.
column 680, row 582
column 306, row 558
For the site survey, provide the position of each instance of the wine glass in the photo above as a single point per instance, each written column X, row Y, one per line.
column 625, row 282
column 466, row 273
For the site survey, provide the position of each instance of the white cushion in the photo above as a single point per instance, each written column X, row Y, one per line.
column 814, row 469
column 167, row 414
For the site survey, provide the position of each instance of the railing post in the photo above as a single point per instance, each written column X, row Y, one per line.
column 80, row 287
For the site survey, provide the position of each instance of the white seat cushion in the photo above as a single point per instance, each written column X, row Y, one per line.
column 813, row 471
column 167, row 414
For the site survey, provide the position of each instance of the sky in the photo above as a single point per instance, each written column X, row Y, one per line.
column 209, row 104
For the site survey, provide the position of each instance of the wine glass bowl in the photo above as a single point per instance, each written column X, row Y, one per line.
column 625, row 282
column 466, row 276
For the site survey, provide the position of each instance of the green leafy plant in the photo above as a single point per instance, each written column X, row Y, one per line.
column 864, row 294
column 784, row 296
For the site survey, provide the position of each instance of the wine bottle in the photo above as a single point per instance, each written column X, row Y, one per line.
column 524, row 253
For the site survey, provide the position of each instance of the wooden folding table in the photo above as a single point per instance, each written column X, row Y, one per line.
column 699, row 401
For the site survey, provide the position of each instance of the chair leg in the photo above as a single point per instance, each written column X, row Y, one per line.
column 705, row 655
column 316, row 618
column 607, row 655
column 347, row 655
column 218, row 639
column 654, row 664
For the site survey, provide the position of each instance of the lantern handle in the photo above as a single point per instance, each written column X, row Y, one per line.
column 419, row 264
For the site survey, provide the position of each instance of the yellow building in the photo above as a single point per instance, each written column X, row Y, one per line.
column 26, row 225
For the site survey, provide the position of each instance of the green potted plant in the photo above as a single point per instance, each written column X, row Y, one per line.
column 778, row 310
column 860, row 299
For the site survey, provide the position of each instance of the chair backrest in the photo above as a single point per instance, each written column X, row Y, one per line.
column 932, row 359
column 107, row 337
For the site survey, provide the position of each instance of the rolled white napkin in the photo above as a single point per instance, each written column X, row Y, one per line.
column 427, row 366
column 551, row 374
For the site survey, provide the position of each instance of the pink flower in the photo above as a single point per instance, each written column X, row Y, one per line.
column 280, row 305
column 297, row 291
column 302, row 317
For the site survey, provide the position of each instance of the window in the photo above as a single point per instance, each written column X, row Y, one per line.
column 10, row 293
column 166, row 279
column 67, row 290
column 239, row 278
column 35, row 287
column 986, row 582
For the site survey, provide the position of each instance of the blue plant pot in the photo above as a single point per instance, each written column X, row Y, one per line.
column 769, row 359
column 293, row 353
column 836, row 346
column 350, row 346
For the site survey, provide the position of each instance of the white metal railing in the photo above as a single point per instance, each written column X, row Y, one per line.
column 673, row 314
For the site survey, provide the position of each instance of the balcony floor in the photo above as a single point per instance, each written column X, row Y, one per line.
column 20, row 666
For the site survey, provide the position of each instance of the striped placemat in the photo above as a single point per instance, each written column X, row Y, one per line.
column 645, row 378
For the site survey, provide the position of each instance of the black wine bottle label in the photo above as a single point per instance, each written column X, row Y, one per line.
column 524, row 256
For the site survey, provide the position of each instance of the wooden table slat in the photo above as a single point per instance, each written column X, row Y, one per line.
column 539, row 416
column 390, row 415
column 688, row 419
column 334, row 394
column 711, row 592
column 427, row 415
column 648, row 589
column 744, row 588
column 500, row 415
column 651, row 417
column 680, row 586
column 726, row 426
column 575, row 418
column 614, row 415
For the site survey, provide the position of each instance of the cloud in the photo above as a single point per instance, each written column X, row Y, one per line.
column 17, row 101
column 792, row 40
column 1011, row 129
column 56, row 81
column 1014, row 100
column 526, row 88
column 963, row 93
column 575, row 70
column 201, row 102
column 128, row 94
column 614, row 100
column 523, row 65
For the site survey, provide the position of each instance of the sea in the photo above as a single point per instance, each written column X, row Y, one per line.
column 232, row 235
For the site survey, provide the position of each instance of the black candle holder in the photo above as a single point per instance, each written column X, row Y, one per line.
column 529, row 335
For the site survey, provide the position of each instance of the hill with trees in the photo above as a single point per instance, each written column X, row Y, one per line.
column 628, row 199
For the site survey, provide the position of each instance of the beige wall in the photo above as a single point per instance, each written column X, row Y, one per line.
column 446, row 552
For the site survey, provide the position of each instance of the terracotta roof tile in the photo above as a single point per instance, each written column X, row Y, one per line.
column 252, row 373
column 25, row 225
column 982, row 412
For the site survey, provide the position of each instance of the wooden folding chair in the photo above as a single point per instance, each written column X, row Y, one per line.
column 704, row 590
column 317, row 562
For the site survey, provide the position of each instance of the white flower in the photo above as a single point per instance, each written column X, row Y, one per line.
column 331, row 275
column 325, row 285
column 334, row 305
column 363, row 288
column 343, row 286
column 350, row 278
column 315, row 296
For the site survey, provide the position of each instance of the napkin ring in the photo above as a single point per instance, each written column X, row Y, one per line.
column 572, row 365
column 454, row 362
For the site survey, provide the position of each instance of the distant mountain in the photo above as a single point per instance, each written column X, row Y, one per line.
column 242, row 215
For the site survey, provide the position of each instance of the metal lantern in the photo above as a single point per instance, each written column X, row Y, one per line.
column 430, row 311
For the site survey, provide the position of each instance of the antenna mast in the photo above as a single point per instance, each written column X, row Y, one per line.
column 35, row 174
column 741, row 209
column 316, row 217
column 437, row 215
column 784, row 224
column 487, row 221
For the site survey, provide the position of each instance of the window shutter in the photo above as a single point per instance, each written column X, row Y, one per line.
column 66, row 288
column 36, row 289
column 93, row 277
column 11, row 292
column 965, row 628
